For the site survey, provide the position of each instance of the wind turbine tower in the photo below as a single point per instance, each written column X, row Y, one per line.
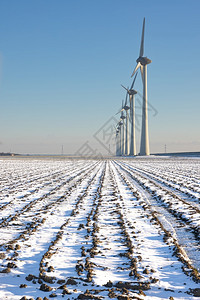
column 122, row 130
column 120, row 137
column 127, row 140
column 142, row 63
column 132, row 94
column 117, row 142
column 123, row 134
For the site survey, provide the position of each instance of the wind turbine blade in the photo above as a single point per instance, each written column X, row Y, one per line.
column 126, row 99
column 124, row 87
column 133, row 81
column 142, row 41
column 142, row 72
column 120, row 109
column 136, row 68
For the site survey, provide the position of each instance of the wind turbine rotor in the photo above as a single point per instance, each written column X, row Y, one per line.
column 126, row 107
column 121, row 110
column 132, row 91
column 141, row 61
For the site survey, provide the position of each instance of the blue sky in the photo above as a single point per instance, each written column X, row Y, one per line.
column 62, row 63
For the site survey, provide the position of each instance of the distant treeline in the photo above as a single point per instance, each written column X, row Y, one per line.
column 7, row 154
column 179, row 154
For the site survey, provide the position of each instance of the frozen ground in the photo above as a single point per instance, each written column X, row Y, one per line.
column 95, row 229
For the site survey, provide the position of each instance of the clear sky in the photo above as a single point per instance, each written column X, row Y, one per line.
column 62, row 63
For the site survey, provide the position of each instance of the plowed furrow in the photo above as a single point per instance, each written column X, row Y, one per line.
column 29, row 222
column 189, row 196
column 18, row 202
column 42, row 202
column 180, row 208
column 170, row 229
column 69, row 241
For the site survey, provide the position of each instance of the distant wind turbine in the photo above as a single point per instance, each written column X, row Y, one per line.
column 120, row 136
column 118, row 141
column 127, row 140
column 132, row 94
column 142, row 63
column 122, row 129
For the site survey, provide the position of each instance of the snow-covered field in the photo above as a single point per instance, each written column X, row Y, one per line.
column 99, row 229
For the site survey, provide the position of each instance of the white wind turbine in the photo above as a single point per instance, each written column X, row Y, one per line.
column 117, row 142
column 118, row 139
column 142, row 63
column 127, row 140
column 132, row 94
column 122, row 130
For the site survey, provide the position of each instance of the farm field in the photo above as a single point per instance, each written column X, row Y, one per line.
column 100, row 229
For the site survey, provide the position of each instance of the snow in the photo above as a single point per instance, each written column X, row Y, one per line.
column 96, row 221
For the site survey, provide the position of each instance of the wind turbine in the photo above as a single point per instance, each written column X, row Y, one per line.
column 127, row 140
column 142, row 63
column 122, row 129
column 118, row 139
column 132, row 94
column 117, row 142
column 119, row 135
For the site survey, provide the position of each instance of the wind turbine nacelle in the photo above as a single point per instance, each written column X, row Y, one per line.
column 132, row 92
column 126, row 107
column 143, row 60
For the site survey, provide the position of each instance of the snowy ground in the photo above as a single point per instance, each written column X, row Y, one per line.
column 95, row 229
